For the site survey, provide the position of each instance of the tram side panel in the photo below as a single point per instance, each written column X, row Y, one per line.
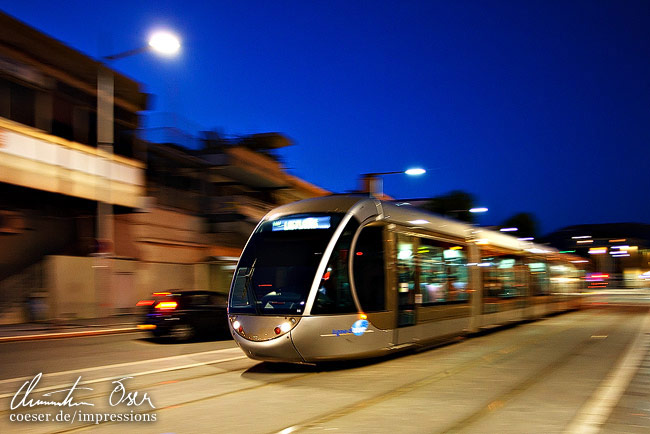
column 431, row 285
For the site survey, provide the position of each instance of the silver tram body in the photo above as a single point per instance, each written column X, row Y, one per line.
column 349, row 276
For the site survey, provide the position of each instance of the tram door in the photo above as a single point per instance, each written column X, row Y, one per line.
column 405, row 281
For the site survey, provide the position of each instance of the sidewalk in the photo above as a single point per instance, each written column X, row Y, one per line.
column 69, row 328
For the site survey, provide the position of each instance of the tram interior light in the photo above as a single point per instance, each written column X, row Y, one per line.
column 536, row 250
column 405, row 252
column 537, row 267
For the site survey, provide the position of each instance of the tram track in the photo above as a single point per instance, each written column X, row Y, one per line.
column 504, row 352
column 536, row 377
column 491, row 358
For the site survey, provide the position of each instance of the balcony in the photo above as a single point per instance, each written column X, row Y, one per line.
column 33, row 159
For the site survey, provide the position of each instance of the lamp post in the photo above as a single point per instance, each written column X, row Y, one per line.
column 373, row 184
column 161, row 42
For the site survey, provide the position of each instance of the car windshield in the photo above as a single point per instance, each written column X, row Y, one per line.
column 278, row 266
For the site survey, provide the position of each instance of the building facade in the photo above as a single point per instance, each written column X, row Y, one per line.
column 178, row 218
column 619, row 253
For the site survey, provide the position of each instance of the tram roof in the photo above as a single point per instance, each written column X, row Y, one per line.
column 410, row 216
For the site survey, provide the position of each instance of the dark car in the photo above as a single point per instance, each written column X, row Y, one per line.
column 183, row 315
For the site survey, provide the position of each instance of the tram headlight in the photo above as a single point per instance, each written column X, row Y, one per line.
column 236, row 325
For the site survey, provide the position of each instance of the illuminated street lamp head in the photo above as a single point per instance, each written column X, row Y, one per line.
column 164, row 43
column 477, row 210
column 415, row 171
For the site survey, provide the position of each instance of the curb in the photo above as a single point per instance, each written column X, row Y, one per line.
column 61, row 335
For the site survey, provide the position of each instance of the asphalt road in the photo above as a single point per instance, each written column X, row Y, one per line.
column 561, row 374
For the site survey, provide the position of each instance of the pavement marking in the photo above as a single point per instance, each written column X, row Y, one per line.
column 59, row 335
column 595, row 412
column 134, row 374
column 117, row 365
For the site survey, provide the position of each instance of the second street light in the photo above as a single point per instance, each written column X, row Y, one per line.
column 372, row 182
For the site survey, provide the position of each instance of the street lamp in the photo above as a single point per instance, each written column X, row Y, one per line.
column 372, row 183
column 160, row 42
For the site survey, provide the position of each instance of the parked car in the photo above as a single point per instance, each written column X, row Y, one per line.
column 183, row 315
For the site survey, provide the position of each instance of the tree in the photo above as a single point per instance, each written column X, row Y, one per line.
column 525, row 223
column 455, row 204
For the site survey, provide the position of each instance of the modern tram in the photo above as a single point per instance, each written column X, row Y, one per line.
column 349, row 276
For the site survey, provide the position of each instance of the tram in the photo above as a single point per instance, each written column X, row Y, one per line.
column 349, row 276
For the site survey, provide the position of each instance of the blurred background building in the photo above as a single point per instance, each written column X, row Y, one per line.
column 180, row 215
column 620, row 251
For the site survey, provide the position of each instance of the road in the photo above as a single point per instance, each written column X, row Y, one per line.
column 561, row 374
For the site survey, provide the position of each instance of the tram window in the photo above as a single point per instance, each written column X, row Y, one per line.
column 334, row 294
column 278, row 266
column 368, row 267
column 563, row 278
column 538, row 278
column 405, row 280
column 405, row 264
column 443, row 272
column 503, row 275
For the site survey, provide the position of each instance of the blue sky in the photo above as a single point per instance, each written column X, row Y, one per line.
column 536, row 106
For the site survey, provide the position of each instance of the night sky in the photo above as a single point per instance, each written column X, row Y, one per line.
column 542, row 107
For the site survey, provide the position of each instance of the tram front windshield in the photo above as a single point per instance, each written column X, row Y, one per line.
column 278, row 266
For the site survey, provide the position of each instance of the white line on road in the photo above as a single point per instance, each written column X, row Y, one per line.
column 597, row 409
column 119, row 365
column 135, row 374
